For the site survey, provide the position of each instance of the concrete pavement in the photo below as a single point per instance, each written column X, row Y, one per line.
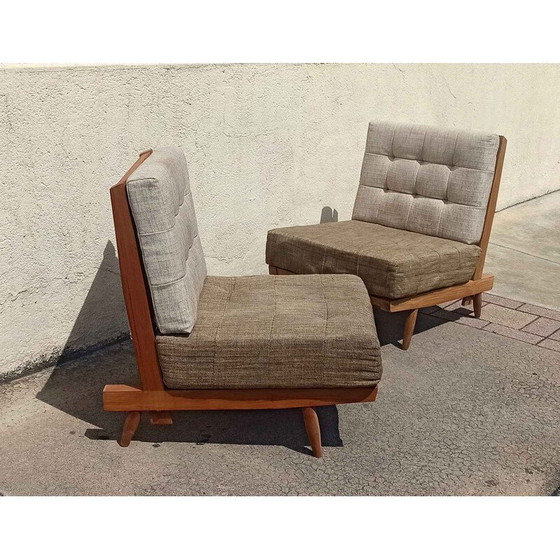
column 465, row 411
column 524, row 252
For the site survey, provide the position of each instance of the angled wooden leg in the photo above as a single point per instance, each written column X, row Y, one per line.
column 129, row 429
column 477, row 304
column 409, row 325
column 161, row 417
column 313, row 431
column 466, row 301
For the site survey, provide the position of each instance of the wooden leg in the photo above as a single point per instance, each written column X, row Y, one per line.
column 466, row 301
column 161, row 418
column 313, row 431
column 272, row 269
column 477, row 304
column 129, row 429
column 409, row 325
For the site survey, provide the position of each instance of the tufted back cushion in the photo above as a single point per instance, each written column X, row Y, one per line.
column 162, row 207
column 425, row 179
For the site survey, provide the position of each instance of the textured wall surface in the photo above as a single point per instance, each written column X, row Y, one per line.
column 267, row 145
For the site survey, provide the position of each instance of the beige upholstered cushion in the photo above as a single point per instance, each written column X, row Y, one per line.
column 392, row 263
column 162, row 206
column 425, row 179
column 276, row 332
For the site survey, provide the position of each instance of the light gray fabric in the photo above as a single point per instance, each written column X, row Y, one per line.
column 428, row 180
column 163, row 211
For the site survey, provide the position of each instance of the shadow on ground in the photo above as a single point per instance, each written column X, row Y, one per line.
column 390, row 326
column 76, row 385
column 76, row 388
column 77, row 380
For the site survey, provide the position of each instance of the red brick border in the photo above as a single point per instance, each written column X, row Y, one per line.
column 515, row 319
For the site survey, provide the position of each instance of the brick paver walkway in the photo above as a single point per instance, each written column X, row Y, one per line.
column 514, row 319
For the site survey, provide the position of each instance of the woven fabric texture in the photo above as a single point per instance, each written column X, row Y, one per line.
column 392, row 263
column 276, row 332
column 428, row 180
column 163, row 211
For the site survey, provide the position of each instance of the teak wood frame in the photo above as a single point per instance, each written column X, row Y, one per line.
column 469, row 291
column 152, row 396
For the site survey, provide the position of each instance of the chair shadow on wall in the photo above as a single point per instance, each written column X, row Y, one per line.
column 76, row 385
column 328, row 214
column 390, row 326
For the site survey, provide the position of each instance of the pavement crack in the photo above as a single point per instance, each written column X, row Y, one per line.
column 525, row 253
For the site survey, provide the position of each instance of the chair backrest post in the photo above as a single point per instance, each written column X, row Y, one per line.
column 491, row 208
column 135, row 289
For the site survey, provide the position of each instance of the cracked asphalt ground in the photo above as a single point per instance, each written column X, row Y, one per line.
column 463, row 412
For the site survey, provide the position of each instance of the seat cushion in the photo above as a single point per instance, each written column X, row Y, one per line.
column 276, row 332
column 162, row 207
column 393, row 263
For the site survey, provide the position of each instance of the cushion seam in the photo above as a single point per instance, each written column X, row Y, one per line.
column 434, row 163
column 182, row 275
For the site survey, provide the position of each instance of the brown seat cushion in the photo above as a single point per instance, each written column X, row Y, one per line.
column 276, row 332
column 393, row 263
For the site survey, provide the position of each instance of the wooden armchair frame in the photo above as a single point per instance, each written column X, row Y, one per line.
column 152, row 396
column 470, row 291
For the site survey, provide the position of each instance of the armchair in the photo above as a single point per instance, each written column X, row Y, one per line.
column 420, row 225
column 216, row 343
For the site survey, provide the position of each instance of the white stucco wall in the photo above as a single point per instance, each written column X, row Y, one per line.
column 267, row 145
